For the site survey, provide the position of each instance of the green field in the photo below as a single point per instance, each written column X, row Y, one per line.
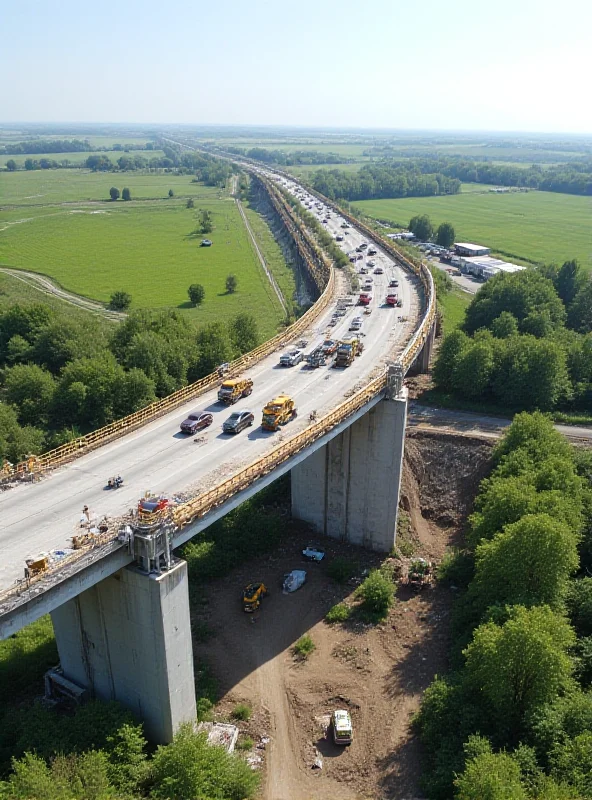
column 532, row 226
column 80, row 158
column 146, row 248
column 454, row 304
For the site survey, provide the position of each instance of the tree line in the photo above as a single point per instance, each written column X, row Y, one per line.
column 513, row 717
column 525, row 343
column 288, row 158
column 61, row 376
column 384, row 180
column 35, row 146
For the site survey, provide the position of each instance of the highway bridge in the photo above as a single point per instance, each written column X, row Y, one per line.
column 344, row 450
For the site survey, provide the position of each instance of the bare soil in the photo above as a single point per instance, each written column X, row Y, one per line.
column 377, row 672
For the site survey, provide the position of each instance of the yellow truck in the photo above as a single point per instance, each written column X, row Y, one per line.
column 346, row 352
column 278, row 412
column 233, row 389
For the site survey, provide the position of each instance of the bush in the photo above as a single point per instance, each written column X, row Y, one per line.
column 338, row 613
column 120, row 301
column 377, row 593
column 341, row 569
column 245, row 743
column 242, row 711
column 304, row 647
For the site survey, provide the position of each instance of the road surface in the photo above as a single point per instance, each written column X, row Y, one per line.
column 43, row 516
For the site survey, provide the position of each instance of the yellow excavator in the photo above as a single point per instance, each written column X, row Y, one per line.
column 278, row 412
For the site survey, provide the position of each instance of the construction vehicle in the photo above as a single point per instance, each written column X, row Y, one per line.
column 346, row 352
column 278, row 412
column 81, row 540
column 392, row 299
column 232, row 390
column 316, row 358
column 252, row 596
column 35, row 565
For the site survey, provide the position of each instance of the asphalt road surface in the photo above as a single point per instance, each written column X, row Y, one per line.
column 43, row 516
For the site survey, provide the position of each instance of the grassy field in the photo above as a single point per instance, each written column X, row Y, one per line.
column 533, row 226
column 146, row 248
column 454, row 304
column 80, row 158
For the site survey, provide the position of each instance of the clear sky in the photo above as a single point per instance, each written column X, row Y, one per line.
column 461, row 64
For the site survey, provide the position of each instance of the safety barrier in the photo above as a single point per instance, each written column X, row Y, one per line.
column 200, row 505
column 78, row 447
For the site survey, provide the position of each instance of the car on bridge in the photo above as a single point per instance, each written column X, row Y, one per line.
column 329, row 347
column 394, row 283
column 292, row 358
column 197, row 421
column 238, row 421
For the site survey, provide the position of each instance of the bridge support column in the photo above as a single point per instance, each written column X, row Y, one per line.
column 349, row 489
column 128, row 639
column 424, row 358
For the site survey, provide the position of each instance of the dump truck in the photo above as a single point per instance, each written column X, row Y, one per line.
column 346, row 352
column 278, row 412
column 316, row 358
column 232, row 390
column 252, row 596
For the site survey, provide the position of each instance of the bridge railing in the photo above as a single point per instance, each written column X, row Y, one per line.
column 90, row 441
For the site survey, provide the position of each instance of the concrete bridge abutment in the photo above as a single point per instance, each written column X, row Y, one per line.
column 349, row 489
column 128, row 638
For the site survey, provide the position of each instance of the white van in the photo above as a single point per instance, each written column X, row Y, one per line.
column 341, row 723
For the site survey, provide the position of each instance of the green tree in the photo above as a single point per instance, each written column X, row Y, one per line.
column 128, row 767
column 473, row 369
column 231, row 284
column 533, row 434
column 31, row 164
column 190, row 203
column 190, row 768
column 206, row 224
column 521, row 665
column 196, row 293
column 126, row 194
column 453, row 347
column 445, row 235
column 114, row 193
column 11, row 165
column 120, row 301
column 571, row 762
column 133, row 390
column 504, row 326
column 377, row 593
column 580, row 311
column 569, row 280
column 244, row 334
column 422, row 227
column 490, row 776
column 579, row 605
column 30, row 388
column 16, row 442
column 528, row 564
column 213, row 349
column 171, row 193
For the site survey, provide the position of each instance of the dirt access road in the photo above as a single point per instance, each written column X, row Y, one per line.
column 379, row 673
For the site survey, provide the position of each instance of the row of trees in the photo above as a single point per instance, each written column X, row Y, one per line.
column 61, row 376
column 514, row 717
column 383, row 180
column 423, row 229
column 36, row 146
column 197, row 293
column 114, row 193
column 290, row 158
column 526, row 342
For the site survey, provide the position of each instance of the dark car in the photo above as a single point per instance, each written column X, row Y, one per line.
column 205, row 243
column 394, row 283
column 196, row 421
column 237, row 421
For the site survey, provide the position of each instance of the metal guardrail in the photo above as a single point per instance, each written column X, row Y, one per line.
column 200, row 505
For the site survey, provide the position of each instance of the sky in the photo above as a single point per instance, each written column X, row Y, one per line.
column 505, row 65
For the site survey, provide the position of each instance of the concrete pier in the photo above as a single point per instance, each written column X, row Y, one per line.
column 349, row 489
column 128, row 638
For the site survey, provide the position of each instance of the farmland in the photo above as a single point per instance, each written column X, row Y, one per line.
column 148, row 247
column 533, row 226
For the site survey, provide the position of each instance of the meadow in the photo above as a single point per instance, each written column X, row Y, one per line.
column 145, row 247
column 80, row 158
column 533, row 226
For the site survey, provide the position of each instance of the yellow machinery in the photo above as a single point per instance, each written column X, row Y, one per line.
column 278, row 412
column 36, row 565
column 252, row 596
column 233, row 390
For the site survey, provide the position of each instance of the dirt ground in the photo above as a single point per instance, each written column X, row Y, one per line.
column 377, row 672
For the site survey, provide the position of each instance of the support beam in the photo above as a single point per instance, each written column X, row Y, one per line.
column 349, row 489
column 424, row 358
column 128, row 639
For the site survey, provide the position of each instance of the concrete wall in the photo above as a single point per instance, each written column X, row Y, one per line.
column 349, row 489
column 128, row 639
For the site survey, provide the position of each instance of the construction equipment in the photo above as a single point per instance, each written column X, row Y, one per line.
column 35, row 565
column 81, row 540
column 316, row 358
column 346, row 352
column 232, row 390
column 278, row 412
column 252, row 596
column 152, row 509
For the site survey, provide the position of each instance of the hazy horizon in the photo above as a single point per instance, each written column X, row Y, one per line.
column 518, row 67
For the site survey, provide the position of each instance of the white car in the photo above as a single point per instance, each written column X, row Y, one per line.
column 293, row 580
column 292, row 358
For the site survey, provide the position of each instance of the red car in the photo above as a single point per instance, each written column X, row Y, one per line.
column 365, row 299
column 329, row 347
column 196, row 421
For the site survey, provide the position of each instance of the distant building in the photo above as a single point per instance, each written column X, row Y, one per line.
column 486, row 267
column 404, row 235
column 471, row 250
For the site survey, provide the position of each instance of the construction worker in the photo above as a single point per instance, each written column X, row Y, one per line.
column 85, row 518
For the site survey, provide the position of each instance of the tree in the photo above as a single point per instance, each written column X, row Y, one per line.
column 568, row 282
column 30, row 164
column 196, row 293
column 490, row 776
column 445, row 235
column 422, row 227
column 16, row 442
column 243, row 333
column 189, row 767
column 171, row 193
column 126, row 194
column 452, row 349
column 120, row 301
column 504, row 326
column 521, row 665
column 213, row 349
column 231, row 284
column 30, row 389
column 114, row 193
column 580, row 311
column 206, row 224
column 473, row 369
column 11, row 165
column 191, row 203
column 528, row 564
column 377, row 593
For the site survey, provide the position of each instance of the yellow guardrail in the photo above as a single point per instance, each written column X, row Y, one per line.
column 200, row 505
column 83, row 444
